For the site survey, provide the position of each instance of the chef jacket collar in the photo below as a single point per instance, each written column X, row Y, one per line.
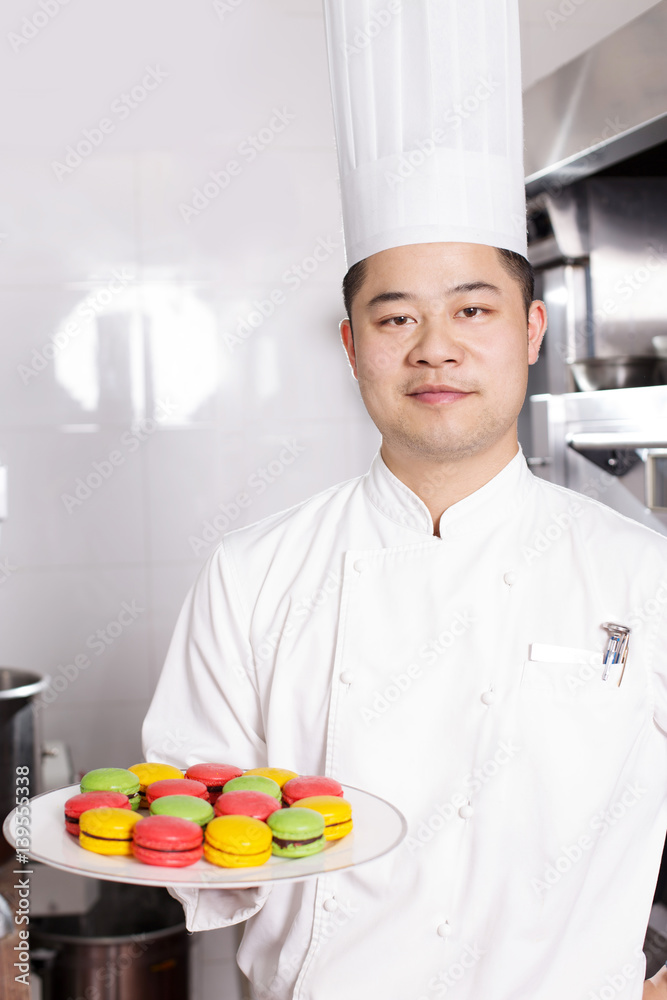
column 497, row 499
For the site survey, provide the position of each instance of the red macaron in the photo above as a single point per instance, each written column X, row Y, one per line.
column 214, row 776
column 91, row 800
column 175, row 786
column 259, row 805
column 168, row 841
column 310, row 784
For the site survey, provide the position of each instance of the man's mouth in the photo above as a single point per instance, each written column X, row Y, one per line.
column 437, row 394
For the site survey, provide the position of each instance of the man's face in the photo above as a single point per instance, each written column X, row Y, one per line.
column 441, row 349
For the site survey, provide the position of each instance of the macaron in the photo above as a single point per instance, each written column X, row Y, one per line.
column 108, row 831
column 113, row 779
column 296, row 832
column 184, row 806
column 214, row 776
column 91, row 800
column 237, row 842
column 254, row 783
column 259, row 805
column 337, row 814
column 168, row 841
column 174, row 786
column 149, row 772
column 310, row 784
column 278, row 774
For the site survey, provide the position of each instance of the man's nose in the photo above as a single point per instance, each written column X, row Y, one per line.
column 437, row 343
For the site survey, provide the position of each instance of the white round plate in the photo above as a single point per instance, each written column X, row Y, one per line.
column 378, row 828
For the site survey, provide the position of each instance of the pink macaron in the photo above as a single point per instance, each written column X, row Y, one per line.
column 310, row 784
column 175, row 786
column 245, row 802
column 168, row 841
column 78, row 804
column 214, row 776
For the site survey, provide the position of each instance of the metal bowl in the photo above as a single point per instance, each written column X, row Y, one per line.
column 626, row 372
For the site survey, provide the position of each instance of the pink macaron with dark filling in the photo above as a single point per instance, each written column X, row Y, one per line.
column 214, row 776
column 310, row 784
column 176, row 786
column 78, row 804
column 168, row 841
column 245, row 802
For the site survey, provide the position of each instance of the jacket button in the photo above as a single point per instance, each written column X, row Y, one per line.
column 360, row 565
column 510, row 579
column 488, row 697
column 347, row 677
column 444, row 930
column 330, row 904
column 465, row 812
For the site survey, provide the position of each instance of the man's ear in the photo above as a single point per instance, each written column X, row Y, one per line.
column 537, row 327
column 345, row 328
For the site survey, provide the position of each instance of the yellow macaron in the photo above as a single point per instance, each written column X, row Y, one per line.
column 278, row 774
column 237, row 842
column 150, row 772
column 108, row 830
column 337, row 814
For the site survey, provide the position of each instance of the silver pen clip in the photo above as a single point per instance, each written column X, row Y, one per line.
column 616, row 650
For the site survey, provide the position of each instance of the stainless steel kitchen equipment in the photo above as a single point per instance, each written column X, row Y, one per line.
column 610, row 445
column 131, row 945
column 19, row 738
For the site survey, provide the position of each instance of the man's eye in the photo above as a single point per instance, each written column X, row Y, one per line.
column 395, row 321
column 471, row 311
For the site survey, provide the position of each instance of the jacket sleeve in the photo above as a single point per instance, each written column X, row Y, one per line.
column 206, row 708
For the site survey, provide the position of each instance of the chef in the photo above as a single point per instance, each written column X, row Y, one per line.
column 432, row 632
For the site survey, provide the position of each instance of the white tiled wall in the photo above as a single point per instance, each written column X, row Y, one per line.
column 132, row 411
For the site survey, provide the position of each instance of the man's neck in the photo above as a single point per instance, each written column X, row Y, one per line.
column 442, row 484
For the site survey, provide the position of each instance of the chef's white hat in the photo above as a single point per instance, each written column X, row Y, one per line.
column 427, row 109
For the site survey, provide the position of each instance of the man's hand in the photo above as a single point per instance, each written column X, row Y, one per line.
column 656, row 988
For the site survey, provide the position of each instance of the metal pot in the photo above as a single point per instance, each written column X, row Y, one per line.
column 19, row 746
column 132, row 945
column 624, row 372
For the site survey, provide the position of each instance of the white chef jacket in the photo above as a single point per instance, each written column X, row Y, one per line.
column 459, row 677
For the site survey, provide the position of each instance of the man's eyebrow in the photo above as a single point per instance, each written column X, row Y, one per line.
column 474, row 286
column 468, row 286
column 390, row 297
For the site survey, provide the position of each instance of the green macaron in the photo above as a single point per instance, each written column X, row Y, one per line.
column 296, row 832
column 254, row 783
column 113, row 779
column 185, row 807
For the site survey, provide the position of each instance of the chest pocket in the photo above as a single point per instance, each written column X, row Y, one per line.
column 565, row 674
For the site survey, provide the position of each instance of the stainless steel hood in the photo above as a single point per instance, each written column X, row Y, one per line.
column 601, row 108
